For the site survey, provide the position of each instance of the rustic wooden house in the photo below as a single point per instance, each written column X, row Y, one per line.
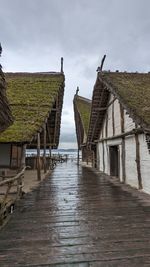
column 82, row 108
column 36, row 101
column 5, row 112
column 120, row 126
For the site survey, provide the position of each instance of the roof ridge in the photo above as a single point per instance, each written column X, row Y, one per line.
column 84, row 98
column 34, row 73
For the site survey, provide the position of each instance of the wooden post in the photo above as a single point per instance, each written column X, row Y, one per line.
column 44, row 154
column 113, row 119
column 22, row 165
column 78, row 156
column 138, row 161
column 38, row 158
column 103, row 157
column 87, row 156
column 50, row 156
column 123, row 158
column 23, row 157
column 122, row 118
column 106, row 127
column 62, row 63
column 123, row 155
column 50, row 151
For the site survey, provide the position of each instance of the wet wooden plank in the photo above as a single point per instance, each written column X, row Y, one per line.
column 77, row 218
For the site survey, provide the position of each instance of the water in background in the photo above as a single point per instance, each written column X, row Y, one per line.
column 72, row 153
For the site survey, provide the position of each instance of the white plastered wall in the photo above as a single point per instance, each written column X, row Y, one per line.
column 130, row 148
column 145, row 163
column 130, row 163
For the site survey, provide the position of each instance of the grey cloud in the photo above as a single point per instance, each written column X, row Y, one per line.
column 68, row 138
column 35, row 34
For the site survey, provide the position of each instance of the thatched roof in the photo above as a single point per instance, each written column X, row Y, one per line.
column 32, row 97
column 5, row 112
column 133, row 92
column 82, row 109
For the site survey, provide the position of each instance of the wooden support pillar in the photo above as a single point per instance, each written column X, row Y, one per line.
column 38, row 158
column 138, row 161
column 113, row 119
column 23, row 157
column 44, row 152
column 123, row 154
column 78, row 158
column 50, row 151
column 103, row 156
column 106, row 127
column 123, row 158
column 62, row 63
column 93, row 158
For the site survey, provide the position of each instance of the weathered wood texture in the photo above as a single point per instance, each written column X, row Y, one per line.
column 7, row 198
column 76, row 218
column 138, row 163
column 44, row 151
column 38, row 158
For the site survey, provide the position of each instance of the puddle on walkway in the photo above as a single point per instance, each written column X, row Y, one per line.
column 73, row 217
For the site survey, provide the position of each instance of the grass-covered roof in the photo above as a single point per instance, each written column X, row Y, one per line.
column 31, row 97
column 84, row 108
column 133, row 90
column 5, row 112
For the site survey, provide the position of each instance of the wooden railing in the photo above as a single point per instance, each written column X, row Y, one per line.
column 31, row 160
column 8, row 198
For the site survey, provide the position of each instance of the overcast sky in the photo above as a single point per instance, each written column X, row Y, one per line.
column 35, row 34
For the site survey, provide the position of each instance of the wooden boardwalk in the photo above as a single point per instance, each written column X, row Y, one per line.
column 76, row 218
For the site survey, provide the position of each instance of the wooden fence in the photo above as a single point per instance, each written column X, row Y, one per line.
column 8, row 197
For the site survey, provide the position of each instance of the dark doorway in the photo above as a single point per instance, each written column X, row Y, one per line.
column 114, row 160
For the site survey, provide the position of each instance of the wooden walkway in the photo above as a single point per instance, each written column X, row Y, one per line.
column 76, row 218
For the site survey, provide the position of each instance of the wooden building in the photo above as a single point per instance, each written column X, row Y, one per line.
column 5, row 112
column 82, row 108
column 120, row 126
column 36, row 101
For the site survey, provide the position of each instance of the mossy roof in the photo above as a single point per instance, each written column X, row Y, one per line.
column 84, row 108
column 31, row 97
column 6, row 118
column 133, row 90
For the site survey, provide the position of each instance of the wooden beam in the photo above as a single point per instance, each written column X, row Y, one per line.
column 139, row 130
column 103, row 157
column 106, row 126
column 50, row 151
column 111, row 102
column 102, row 63
column 123, row 159
column 56, row 118
column 38, row 158
column 23, row 157
column 97, row 118
column 113, row 119
column 44, row 152
column 138, row 161
column 123, row 154
column 122, row 118
column 78, row 156
column 62, row 64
